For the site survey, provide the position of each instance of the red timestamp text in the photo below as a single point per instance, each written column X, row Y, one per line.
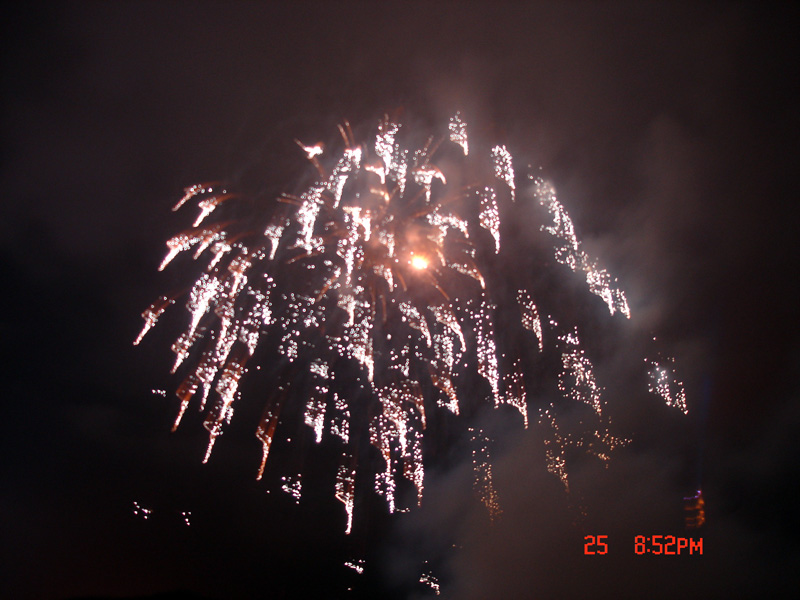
column 595, row 544
column 668, row 545
column 663, row 545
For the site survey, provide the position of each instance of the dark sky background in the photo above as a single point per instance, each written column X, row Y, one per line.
column 670, row 132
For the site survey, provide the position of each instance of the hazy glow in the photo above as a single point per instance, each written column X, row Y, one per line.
column 530, row 316
column 419, row 262
column 503, row 168
column 490, row 216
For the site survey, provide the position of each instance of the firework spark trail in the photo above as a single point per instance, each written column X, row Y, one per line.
column 555, row 445
column 503, row 168
column 458, row 133
column 666, row 384
column 569, row 251
column 482, row 467
column 576, row 382
column 318, row 400
column 377, row 263
column 487, row 349
column 530, row 316
column 356, row 565
column 140, row 511
column 447, row 354
column 430, row 580
column 346, row 487
column 489, row 216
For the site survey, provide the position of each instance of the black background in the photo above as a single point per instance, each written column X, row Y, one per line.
column 670, row 132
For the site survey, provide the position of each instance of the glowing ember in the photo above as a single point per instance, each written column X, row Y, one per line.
column 419, row 262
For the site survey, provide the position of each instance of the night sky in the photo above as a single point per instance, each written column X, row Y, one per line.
column 670, row 132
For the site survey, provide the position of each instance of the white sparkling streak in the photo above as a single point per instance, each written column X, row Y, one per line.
column 345, row 488
column 416, row 320
column 340, row 418
column 208, row 205
column 381, row 432
column 458, row 132
column 577, row 381
column 350, row 162
column 467, row 266
column 569, row 252
column 178, row 244
column 190, row 192
column 151, row 315
column 431, row 581
column 299, row 318
column 503, row 168
column 444, row 222
column 266, row 433
column 490, row 216
column 219, row 250
column 444, row 314
column 311, row 151
column 385, row 146
column 425, row 175
column 665, row 384
column 530, row 316
column 206, row 290
column 482, row 468
column 317, row 401
column 447, row 354
column 487, row 350
column 555, row 446
column 273, row 233
column 227, row 385
column 307, row 219
column 515, row 394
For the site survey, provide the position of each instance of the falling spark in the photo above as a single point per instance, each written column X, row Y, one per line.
column 430, row 580
column 503, row 168
column 665, row 383
column 345, row 488
column 375, row 276
column 293, row 485
column 141, row 511
column 568, row 251
column 356, row 565
column 530, row 317
column 458, row 132
column 482, row 468
column 555, row 446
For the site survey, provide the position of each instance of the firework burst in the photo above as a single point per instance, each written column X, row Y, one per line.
column 380, row 270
